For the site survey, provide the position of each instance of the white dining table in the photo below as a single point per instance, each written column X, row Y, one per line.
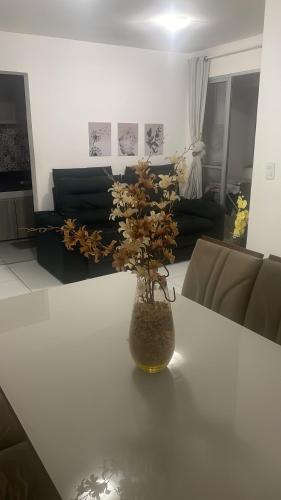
column 206, row 428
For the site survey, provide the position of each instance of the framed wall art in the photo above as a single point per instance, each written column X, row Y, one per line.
column 128, row 139
column 154, row 138
column 100, row 139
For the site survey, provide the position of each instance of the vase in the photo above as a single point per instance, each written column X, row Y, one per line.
column 152, row 334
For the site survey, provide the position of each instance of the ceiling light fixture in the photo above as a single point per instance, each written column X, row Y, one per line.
column 173, row 22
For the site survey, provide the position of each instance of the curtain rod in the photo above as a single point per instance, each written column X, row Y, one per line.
column 210, row 58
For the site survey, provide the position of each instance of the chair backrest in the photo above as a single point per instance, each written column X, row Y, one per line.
column 232, row 246
column 222, row 278
column 264, row 309
column 274, row 257
column 11, row 432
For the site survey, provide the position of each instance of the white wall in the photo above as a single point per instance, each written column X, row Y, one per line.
column 72, row 83
column 265, row 215
column 248, row 60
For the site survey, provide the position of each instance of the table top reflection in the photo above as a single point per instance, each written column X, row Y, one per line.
column 206, row 428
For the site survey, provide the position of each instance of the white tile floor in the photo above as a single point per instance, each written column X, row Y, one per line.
column 17, row 251
column 33, row 275
column 26, row 277
column 12, row 287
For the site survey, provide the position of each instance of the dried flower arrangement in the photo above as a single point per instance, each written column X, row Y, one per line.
column 144, row 211
column 148, row 232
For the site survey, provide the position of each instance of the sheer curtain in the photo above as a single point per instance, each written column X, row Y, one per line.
column 198, row 75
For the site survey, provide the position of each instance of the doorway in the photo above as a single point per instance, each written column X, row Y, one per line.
column 229, row 134
column 16, row 192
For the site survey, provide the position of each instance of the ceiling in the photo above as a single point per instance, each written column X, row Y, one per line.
column 128, row 22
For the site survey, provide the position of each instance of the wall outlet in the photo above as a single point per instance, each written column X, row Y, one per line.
column 270, row 171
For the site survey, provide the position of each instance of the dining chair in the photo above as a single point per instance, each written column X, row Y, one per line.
column 11, row 432
column 275, row 258
column 221, row 277
column 263, row 315
column 23, row 477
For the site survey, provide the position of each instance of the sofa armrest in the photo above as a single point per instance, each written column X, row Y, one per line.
column 207, row 209
column 52, row 254
column 48, row 218
column 201, row 208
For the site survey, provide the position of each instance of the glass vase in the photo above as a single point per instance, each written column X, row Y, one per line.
column 152, row 334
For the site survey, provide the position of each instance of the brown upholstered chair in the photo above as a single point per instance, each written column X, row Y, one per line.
column 22, row 476
column 11, row 432
column 221, row 277
column 264, row 310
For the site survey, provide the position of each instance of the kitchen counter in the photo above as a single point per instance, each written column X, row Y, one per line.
column 6, row 195
column 18, row 180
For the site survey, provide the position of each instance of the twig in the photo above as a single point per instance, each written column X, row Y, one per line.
column 167, row 271
column 40, row 229
column 164, row 291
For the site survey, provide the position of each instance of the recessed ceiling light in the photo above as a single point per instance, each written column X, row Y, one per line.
column 173, row 22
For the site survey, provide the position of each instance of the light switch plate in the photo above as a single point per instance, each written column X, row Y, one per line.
column 270, row 171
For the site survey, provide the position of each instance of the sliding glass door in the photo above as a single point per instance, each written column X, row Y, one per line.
column 229, row 134
column 215, row 136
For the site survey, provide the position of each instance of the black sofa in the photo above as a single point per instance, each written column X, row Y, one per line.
column 82, row 193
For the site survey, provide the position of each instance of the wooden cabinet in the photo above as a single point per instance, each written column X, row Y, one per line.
column 16, row 214
column 24, row 215
column 8, row 221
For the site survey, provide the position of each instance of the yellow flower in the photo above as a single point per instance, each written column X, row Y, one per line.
column 242, row 218
column 241, row 203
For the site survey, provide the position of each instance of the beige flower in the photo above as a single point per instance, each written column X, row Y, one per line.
column 165, row 182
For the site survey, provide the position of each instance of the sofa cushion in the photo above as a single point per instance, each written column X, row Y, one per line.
column 79, row 185
column 186, row 240
column 200, row 207
column 167, row 169
column 110, row 233
column 91, row 217
column 85, row 201
column 58, row 173
column 189, row 224
column 83, row 193
column 130, row 177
